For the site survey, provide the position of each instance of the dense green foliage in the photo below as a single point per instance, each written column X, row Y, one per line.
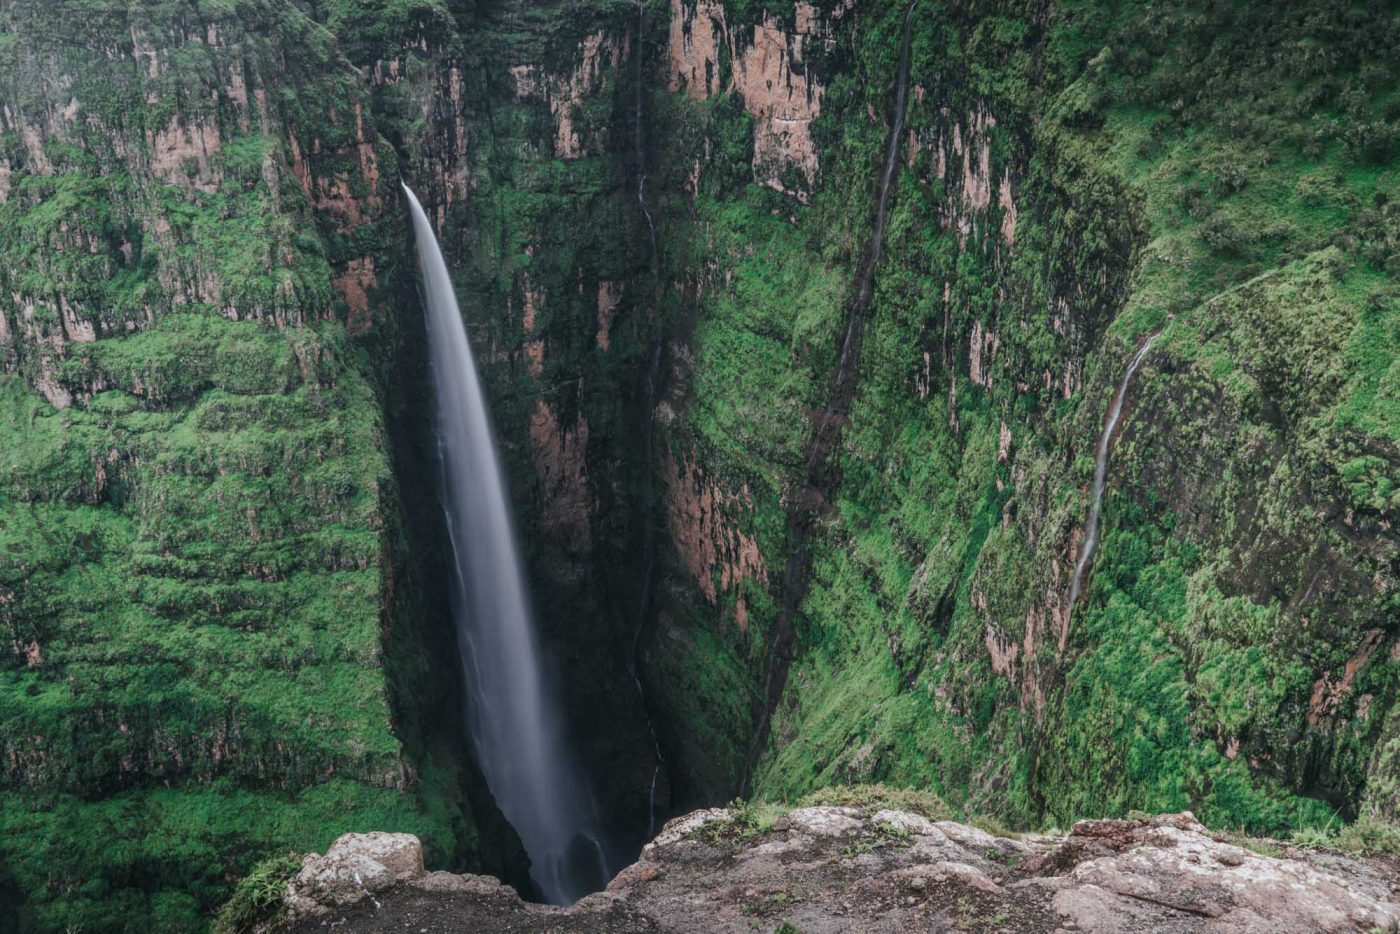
column 200, row 557
column 1219, row 172
column 217, row 649
column 258, row 897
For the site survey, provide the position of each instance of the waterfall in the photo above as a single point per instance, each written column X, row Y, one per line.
column 511, row 713
column 1091, row 531
column 637, row 135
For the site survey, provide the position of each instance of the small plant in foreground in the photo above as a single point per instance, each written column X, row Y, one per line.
column 746, row 819
column 1370, row 835
column 1313, row 838
column 258, row 896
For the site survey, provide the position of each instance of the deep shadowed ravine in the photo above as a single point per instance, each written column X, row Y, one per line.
column 985, row 411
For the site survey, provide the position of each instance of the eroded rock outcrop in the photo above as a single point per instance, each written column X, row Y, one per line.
column 770, row 70
column 719, row 555
column 355, row 866
column 598, row 56
column 876, row 869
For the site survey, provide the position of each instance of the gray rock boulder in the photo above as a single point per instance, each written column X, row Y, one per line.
column 357, row 865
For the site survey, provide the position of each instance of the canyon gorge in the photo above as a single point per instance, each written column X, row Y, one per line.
column 992, row 399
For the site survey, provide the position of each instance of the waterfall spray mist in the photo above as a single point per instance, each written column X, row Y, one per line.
column 511, row 712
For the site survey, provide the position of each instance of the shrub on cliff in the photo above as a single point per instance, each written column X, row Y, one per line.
column 257, row 900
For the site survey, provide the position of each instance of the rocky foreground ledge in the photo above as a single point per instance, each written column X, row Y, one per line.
column 826, row 869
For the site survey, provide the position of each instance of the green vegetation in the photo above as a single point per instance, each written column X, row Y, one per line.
column 215, row 650
column 746, row 819
column 871, row 798
column 199, row 542
column 194, row 596
column 258, row 896
column 1233, row 653
column 1369, row 835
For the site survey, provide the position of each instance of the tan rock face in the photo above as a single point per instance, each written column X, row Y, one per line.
column 560, row 455
column 696, row 34
column 598, row 55
column 981, row 354
column 1327, row 694
column 182, row 154
column 441, row 168
column 608, row 299
column 770, row 74
column 354, row 287
column 958, row 150
column 32, row 653
column 1008, row 210
column 703, row 533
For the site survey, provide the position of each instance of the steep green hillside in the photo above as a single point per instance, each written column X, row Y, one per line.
column 213, row 647
column 1073, row 181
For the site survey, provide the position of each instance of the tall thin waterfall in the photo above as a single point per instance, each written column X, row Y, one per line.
column 1091, row 531
column 510, row 708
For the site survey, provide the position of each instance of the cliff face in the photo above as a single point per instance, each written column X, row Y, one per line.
column 881, row 869
column 204, row 580
column 1067, row 190
column 220, row 545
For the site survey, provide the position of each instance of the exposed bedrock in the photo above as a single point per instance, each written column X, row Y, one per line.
column 830, row 869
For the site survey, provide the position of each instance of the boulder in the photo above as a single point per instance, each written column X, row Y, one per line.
column 356, row 865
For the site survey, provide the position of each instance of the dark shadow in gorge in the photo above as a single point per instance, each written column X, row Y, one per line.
column 592, row 605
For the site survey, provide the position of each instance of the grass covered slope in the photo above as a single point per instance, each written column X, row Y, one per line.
column 1075, row 180
column 194, row 597
column 201, row 560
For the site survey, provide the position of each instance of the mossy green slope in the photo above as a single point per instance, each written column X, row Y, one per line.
column 1234, row 650
column 200, row 549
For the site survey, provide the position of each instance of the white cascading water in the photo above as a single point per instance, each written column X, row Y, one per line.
column 1091, row 529
column 511, row 712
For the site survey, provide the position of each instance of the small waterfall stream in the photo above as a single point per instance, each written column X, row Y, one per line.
column 649, row 393
column 511, row 711
column 1091, row 529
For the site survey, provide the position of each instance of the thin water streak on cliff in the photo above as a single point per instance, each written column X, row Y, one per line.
column 826, row 436
column 649, row 396
column 637, row 128
column 513, row 716
column 1091, row 528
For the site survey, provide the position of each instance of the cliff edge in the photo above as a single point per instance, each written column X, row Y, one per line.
column 835, row 868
